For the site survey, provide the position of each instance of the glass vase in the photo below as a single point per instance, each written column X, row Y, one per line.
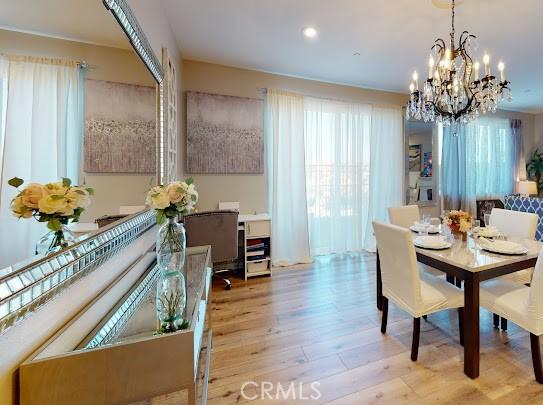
column 171, row 300
column 171, row 297
column 171, row 245
column 53, row 241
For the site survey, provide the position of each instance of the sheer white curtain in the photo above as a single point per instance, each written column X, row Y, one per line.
column 354, row 171
column 337, row 174
column 480, row 162
column 286, row 177
column 41, row 141
column 386, row 167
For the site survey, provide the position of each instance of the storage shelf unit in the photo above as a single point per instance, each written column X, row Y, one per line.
column 256, row 227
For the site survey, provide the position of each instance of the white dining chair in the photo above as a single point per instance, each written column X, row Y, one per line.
column 520, row 304
column 514, row 224
column 403, row 284
column 404, row 216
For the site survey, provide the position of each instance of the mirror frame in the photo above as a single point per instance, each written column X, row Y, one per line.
column 37, row 282
column 131, row 27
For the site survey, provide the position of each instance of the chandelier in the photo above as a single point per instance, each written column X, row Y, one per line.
column 454, row 91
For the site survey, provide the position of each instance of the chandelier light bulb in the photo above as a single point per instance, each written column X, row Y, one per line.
column 416, row 79
column 476, row 67
column 486, row 61
column 501, row 68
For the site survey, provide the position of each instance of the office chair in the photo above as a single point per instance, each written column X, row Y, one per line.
column 218, row 229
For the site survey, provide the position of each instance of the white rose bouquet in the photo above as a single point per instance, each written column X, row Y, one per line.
column 178, row 197
column 54, row 203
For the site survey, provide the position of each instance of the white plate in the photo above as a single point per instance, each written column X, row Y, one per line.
column 431, row 242
column 432, row 229
column 504, row 247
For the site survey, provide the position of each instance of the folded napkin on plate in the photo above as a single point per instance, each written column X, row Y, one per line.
column 431, row 241
column 504, row 246
column 488, row 232
column 418, row 227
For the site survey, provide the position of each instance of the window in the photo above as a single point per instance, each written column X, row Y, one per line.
column 480, row 162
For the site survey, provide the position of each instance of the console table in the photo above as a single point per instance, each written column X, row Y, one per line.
column 120, row 358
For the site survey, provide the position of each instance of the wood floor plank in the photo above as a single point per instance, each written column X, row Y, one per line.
column 317, row 324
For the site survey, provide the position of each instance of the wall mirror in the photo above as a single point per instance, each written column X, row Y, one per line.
column 421, row 173
column 75, row 102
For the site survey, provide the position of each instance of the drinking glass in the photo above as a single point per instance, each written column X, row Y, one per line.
column 476, row 225
column 487, row 220
column 425, row 219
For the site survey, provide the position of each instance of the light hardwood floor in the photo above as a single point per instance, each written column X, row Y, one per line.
column 319, row 323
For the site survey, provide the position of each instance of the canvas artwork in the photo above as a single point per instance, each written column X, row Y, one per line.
column 225, row 134
column 120, row 127
column 415, row 158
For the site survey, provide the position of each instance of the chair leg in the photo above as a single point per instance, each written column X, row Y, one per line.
column 416, row 338
column 228, row 284
column 384, row 314
column 504, row 324
column 496, row 320
column 461, row 325
column 536, row 358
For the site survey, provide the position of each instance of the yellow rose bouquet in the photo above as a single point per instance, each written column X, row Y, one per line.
column 54, row 203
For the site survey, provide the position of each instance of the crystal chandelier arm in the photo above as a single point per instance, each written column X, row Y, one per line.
column 463, row 40
column 439, row 44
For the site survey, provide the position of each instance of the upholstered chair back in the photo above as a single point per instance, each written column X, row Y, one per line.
column 404, row 216
column 515, row 223
column 399, row 270
column 535, row 298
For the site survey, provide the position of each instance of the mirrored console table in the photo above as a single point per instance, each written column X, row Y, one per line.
column 122, row 359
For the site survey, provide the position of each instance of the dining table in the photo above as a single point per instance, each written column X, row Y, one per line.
column 469, row 263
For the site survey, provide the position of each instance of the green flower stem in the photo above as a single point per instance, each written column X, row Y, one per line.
column 171, row 239
column 58, row 240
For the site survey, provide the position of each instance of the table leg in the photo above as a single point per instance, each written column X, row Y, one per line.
column 379, row 284
column 471, row 324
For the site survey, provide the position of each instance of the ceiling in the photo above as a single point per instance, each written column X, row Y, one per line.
column 78, row 20
column 392, row 37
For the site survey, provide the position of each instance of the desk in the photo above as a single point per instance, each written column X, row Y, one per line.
column 466, row 262
column 252, row 228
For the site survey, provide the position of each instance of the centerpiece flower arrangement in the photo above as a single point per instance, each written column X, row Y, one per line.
column 459, row 222
column 169, row 201
column 53, row 203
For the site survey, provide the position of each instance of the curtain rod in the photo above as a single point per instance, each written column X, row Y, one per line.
column 264, row 90
column 81, row 63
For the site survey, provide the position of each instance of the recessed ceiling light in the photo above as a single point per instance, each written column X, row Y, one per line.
column 310, row 32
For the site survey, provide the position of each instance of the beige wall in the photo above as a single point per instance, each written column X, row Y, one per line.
column 251, row 190
column 538, row 131
column 105, row 63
